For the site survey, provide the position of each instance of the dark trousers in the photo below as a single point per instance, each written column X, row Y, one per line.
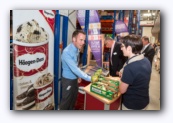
column 69, row 93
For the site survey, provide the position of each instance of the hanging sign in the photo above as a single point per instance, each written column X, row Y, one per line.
column 94, row 39
column 120, row 27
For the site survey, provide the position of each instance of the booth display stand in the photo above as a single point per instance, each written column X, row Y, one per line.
column 96, row 102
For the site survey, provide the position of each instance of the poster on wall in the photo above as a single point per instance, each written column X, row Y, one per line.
column 94, row 37
column 33, row 39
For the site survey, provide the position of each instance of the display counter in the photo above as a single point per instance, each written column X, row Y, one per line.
column 96, row 102
column 87, row 100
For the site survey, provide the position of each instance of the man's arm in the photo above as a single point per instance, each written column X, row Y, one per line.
column 74, row 68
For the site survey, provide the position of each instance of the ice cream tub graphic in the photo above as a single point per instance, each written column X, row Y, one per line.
column 30, row 49
column 44, row 92
column 32, row 37
column 29, row 59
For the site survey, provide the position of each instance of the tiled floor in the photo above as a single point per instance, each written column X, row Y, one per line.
column 154, row 90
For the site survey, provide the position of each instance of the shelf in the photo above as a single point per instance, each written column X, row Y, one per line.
column 107, row 26
column 105, row 21
column 107, row 31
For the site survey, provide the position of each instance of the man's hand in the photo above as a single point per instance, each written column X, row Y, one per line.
column 117, row 73
column 79, row 80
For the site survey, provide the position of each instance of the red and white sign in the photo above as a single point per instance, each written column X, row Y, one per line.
column 29, row 59
column 33, row 39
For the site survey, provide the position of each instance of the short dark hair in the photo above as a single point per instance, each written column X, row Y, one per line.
column 134, row 41
column 76, row 32
column 145, row 38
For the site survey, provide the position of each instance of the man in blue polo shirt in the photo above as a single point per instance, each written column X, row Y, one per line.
column 71, row 74
column 135, row 75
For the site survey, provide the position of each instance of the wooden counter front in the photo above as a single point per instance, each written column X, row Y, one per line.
column 96, row 102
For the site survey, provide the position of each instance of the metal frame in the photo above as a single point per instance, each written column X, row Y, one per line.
column 130, row 21
column 65, row 31
column 57, row 73
column 138, row 22
column 121, row 15
column 84, row 57
column 132, row 11
column 122, row 12
column 114, row 24
column 56, row 57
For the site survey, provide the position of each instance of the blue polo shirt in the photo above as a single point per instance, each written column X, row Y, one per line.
column 137, row 75
column 70, row 64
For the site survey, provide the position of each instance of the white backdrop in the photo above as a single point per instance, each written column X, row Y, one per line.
column 95, row 116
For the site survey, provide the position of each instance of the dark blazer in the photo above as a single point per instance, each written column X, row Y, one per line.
column 149, row 53
column 118, row 59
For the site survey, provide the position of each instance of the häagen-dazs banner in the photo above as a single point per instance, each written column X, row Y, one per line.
column 33, row 39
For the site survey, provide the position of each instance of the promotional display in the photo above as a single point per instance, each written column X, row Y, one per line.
column 120, row 27
column 94, row 37
column 33, row 77
column 104, row 87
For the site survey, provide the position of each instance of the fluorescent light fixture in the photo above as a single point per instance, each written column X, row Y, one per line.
column 148, row 14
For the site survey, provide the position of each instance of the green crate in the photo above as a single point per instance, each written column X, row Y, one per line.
column 97, row 90
column 116, row 83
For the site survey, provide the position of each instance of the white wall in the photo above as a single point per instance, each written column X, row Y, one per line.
column 71, row 24
column 146, row 31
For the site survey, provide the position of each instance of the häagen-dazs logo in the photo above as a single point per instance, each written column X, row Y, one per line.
column 29, row 62
column 49, row 13
column 44, row 93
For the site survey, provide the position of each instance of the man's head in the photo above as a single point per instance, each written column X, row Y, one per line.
column 131, row 44
column 108, row 42
column 78, row 38
column 145, row 40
